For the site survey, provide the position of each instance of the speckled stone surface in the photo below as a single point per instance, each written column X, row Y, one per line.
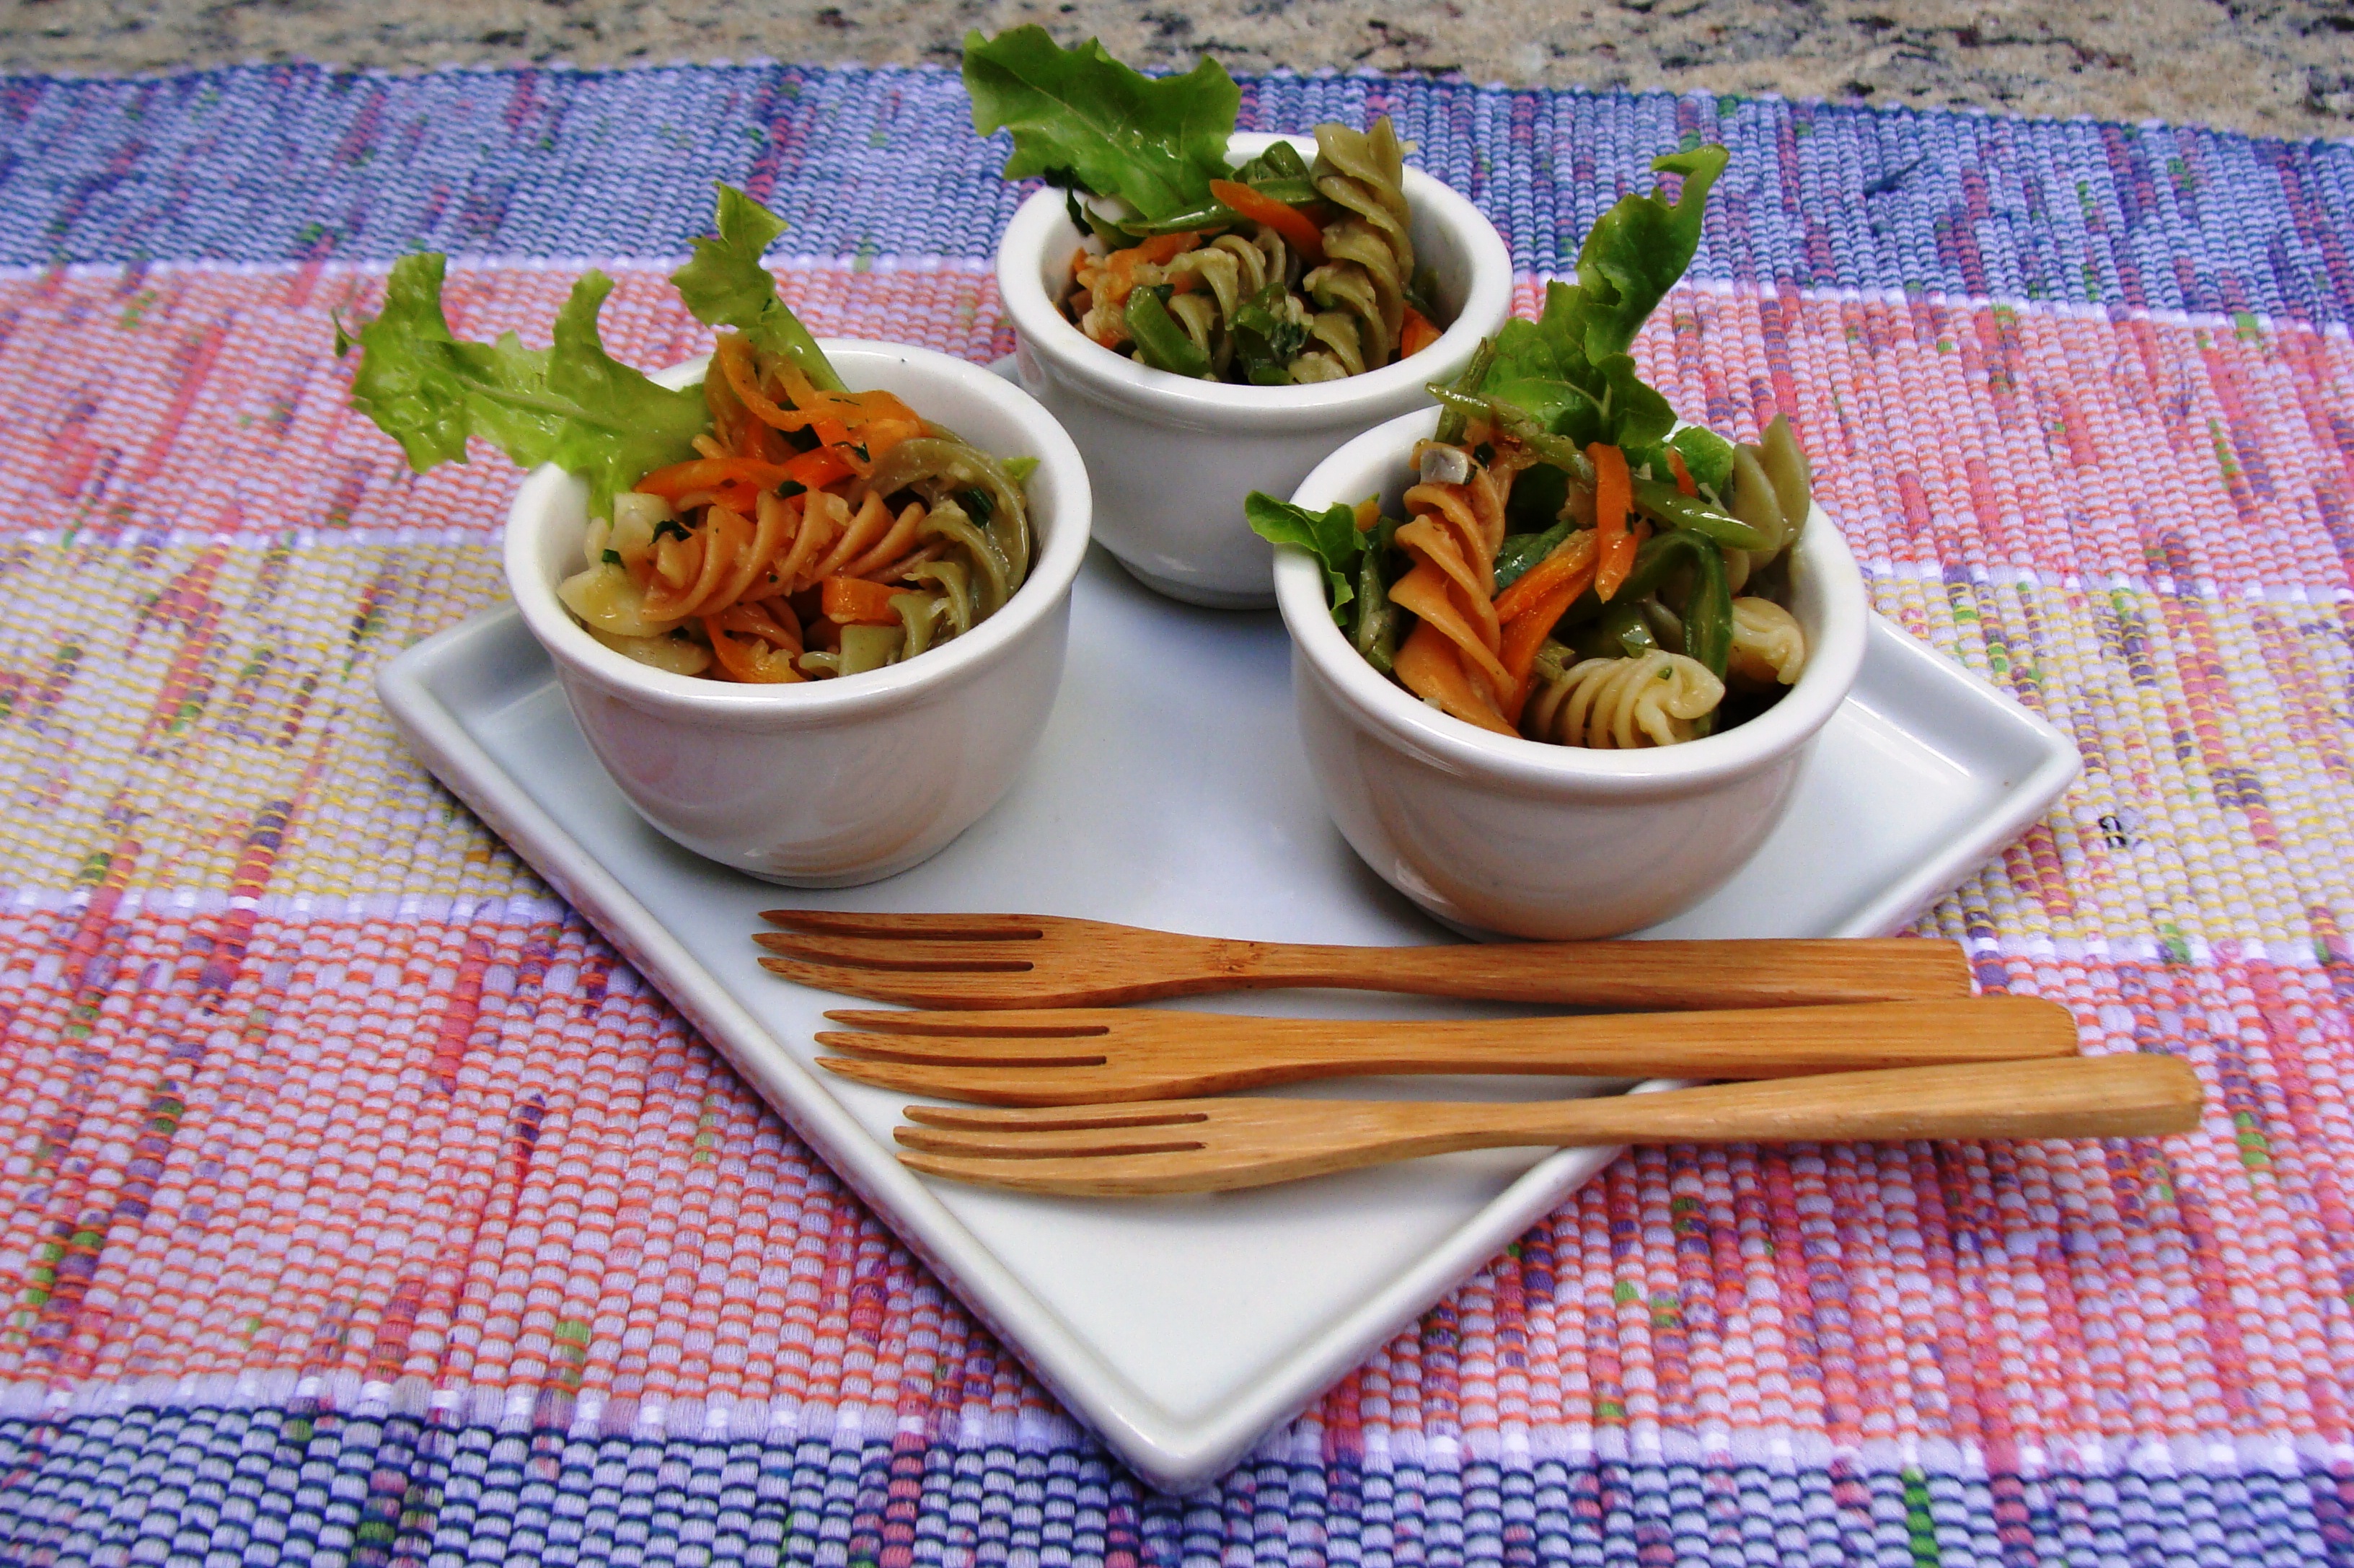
column 2284, row 68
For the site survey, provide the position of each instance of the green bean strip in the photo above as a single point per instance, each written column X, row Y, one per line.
column 1217, row 215
column 1621, row 633
column 1663, row 502
column 1160, row 342
column 1377, row 618
column 1475, row 375
column 1558, row 451
column 1522, row 551
column 1707, row 616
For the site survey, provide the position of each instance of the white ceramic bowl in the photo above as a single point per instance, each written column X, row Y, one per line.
column 835, row 782
column 1173, row 457
column 1497, row 834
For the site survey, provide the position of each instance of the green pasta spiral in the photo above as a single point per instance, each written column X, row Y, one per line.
column 1369, row 254
column 1248, row 306
column 1235, row 269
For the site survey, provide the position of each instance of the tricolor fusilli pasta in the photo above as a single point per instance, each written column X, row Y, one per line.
column 1314, row 287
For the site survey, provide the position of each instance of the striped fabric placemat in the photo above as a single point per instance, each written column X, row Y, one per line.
column 359, row 1204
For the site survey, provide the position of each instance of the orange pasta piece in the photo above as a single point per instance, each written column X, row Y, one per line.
column 822, row 515
column 723, row 538
column 1425, row 591
column 1426, row 541
column 771, row 621
column 1428, row 666
column 866, row 528
column 748, row 661
column 891, row 546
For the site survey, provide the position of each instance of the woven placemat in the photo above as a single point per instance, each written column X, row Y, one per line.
column 358, row 1200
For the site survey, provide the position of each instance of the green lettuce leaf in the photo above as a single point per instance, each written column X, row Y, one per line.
column 1081, row 117
column 1570, row 368
column 1636, row 252
column 1330, row 535
column 726, row 285
column 570, row 404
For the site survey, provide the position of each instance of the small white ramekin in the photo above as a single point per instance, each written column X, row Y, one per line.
column 1496, row 835
column 1173, row 457
column 830, row 783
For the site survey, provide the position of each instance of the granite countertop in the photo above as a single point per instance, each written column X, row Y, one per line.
column 2282, row 68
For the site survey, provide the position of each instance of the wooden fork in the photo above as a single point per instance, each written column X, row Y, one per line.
column 1215, row 1145
column 1082, row 1056
column 1046, row 960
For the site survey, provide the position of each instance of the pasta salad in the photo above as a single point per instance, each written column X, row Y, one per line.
column 1574, row 567
column 1274, row 273
column 767, row 526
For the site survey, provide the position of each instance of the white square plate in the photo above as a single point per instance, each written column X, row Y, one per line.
column 1171, row 791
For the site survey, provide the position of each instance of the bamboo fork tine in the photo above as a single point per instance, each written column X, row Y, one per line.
column 1103, row 1054
column 1024, row 960
column 932, row 955
column 1218, row 1145
column 1028, row 1023
column 919, row 927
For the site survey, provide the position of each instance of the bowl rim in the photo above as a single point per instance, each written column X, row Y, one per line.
column 1374, row 700
column 1044, row 330
column 1058, row 550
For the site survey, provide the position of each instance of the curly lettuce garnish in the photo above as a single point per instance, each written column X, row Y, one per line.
column 570, row 404
column 725, row 285
column 1570, row 368
column 1083, row 119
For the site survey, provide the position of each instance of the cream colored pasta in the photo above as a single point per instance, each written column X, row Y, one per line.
column 1623, row 704
column 1769, row 646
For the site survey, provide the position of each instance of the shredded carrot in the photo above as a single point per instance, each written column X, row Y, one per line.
column 1571, row 562
column 711, row 473
column 1296, row 229
column 1417, row 334
column 854, row 601
column 816, row 470
column 1683, row 475
column 1614, row 497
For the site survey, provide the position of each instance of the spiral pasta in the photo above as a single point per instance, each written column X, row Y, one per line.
column 1623, row 704
column 1278, row 297
column 1233, row 270
column 758, row 562
column 1768, row 647
column 1369, row 254
column 1453, row 658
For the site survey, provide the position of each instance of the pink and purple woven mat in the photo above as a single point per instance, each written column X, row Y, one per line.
column 359, row 1205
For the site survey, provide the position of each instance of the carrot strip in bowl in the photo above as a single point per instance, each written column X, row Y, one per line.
column 1571, row 561
column 1614, row 497
column 1417, row 334
column 1297, row 229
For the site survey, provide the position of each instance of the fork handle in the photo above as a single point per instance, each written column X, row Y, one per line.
column 2087, row 1097
column 1728, row 1043
column 1649, row 977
